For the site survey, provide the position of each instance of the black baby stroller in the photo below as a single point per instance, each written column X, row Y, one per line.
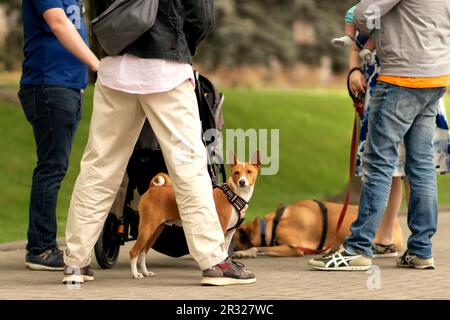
column 147, row 161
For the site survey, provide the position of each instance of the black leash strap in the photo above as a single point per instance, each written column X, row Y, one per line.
column 278, row 215
column 324, row 211
column 237, row 202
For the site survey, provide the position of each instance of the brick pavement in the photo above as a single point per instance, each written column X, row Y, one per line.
column 278, row 278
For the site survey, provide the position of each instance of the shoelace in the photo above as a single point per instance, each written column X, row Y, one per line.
column 239, row 264
column 333, row 252
column 50, row 252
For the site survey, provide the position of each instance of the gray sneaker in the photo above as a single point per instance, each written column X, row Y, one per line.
column 227, row 273
column 341, row 260
column 411, row 261
column 49, row 260
column 77, row 275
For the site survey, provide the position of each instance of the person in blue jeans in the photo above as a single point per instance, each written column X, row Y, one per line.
column 55, row 72
column 415, row 71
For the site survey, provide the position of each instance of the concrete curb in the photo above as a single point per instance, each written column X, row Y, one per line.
column 20, row 245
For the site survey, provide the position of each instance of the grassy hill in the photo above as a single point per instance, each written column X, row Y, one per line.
column 315, row 130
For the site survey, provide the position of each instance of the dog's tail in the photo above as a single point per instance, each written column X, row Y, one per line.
column 160, row 180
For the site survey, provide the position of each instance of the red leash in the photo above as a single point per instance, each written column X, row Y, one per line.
column 358, row 104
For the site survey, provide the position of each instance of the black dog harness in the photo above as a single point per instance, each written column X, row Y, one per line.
column 324, row 211
column 279, row 214
column 237, row 202
column 276, row 220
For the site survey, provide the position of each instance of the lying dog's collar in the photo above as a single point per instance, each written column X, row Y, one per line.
column 237, row 202
column 262, row 226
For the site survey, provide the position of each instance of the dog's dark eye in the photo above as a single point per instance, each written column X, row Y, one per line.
column 249, row 171
column 236, row 173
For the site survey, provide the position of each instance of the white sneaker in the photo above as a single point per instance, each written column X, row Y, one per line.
column 341, row 260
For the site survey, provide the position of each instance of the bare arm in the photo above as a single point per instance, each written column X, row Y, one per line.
column 357, row 81
column 368, row 11
column 69, row 37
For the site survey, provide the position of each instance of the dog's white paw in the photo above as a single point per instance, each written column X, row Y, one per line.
column 138, row 276
column 149, row 274
column 249, row 253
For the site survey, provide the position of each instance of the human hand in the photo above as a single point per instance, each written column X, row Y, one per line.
column 357, row 82
column 95, row 65
column 367, row 56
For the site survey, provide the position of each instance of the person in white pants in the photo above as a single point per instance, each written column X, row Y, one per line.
column 153, row 79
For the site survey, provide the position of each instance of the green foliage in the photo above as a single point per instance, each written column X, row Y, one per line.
column 327, row 19
column 11, row 51
column 248, row 32
column 255, row 32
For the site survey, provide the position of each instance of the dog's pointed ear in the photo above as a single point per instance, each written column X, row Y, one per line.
column 232, row 159
column 256, row 159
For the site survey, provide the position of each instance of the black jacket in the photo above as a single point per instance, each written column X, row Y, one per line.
column 179, row 28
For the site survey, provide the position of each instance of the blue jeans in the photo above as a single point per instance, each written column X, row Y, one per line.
column 397, row 114
column 54, row 113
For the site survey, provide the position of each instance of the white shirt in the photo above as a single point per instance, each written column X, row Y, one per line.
column 136, row 75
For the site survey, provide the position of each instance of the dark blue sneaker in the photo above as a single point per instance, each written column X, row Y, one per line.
column 49, row 260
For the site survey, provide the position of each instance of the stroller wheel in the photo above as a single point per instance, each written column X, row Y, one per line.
column 107, row 247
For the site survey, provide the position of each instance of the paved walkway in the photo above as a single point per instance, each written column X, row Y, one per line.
column 278, row 278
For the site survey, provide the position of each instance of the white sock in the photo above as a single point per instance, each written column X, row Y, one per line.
column 367, row 56
column 342, row 41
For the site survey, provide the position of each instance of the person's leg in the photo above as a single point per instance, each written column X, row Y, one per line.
column 407, row 189
column 420, row 169
column 116, row 122
column 393, row 110
column 54, row 113
column 175, row 120
column 384, row 234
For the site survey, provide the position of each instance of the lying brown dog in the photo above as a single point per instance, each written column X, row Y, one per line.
column 307, row 224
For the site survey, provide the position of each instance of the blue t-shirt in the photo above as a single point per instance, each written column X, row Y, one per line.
column 47, row 62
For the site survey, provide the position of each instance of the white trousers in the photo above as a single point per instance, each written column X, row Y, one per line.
column 116, row 122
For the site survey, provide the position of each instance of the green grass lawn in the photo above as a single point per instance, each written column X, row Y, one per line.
column 315, row 129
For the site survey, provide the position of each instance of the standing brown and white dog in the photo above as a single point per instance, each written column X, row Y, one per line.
column 158, row 207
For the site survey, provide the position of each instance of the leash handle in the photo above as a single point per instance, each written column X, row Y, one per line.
column 358, row 102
